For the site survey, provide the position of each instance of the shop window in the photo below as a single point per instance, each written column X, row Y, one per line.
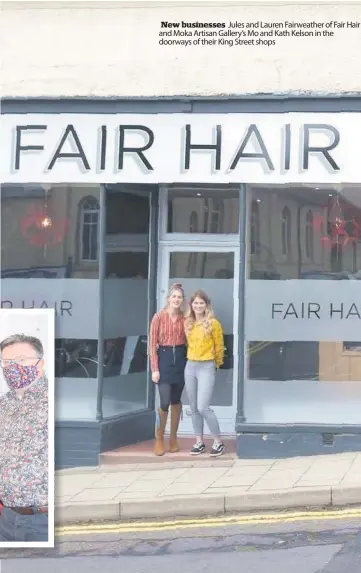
column 125, row 300
column 309, row 236
column 286, row 232
column 127, row 210
column 255, row 228
column 298, row 369
column 89, row 230
column 42, row 230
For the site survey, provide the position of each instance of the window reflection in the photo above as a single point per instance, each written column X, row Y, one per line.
column 125, row 355
column 203, row 210
column 89, row 222
column 76, row 358
column 125, row 299
column 202, row 265
column 306, row 360
column 309, row 239
column 255, row 227
column 49, row 231
column 305, row 232
column 286, row 231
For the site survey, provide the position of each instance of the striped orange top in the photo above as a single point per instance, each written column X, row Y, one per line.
column 164, row 332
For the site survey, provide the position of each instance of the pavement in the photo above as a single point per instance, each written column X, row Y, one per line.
column 194, row 489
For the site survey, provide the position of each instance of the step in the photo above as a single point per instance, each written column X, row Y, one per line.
column 143, row 453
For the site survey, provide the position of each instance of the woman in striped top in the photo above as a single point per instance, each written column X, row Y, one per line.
column 168, row 357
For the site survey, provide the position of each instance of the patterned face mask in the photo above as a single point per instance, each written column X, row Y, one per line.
column 18, row 376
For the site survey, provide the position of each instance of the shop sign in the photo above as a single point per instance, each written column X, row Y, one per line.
column 168, row 148
column 303, row 310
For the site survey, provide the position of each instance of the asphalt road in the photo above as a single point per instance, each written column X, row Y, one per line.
column 324, row 546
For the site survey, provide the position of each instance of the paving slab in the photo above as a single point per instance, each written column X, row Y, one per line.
column 352, row 478
column 180, row 489
column 252, row 471
column 171, row 474
column 99, row 494
column 234, row 481
column 199, row 475
column 155, row 486
column 119, row 479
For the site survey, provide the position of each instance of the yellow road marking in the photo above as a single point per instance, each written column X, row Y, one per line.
column 253, row 519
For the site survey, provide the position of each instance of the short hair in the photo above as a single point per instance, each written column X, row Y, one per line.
column 21, row 339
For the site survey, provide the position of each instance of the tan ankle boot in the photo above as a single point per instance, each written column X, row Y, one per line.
column 175, row 415
column 159, row 434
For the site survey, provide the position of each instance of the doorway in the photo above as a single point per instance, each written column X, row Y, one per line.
column 214, row 269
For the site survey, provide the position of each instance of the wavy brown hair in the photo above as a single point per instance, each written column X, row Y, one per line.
column 190, row 318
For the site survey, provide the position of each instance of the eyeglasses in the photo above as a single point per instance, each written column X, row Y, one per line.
column 20, row 360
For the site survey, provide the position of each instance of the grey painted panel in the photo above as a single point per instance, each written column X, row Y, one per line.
column 76, row 446
column 79, row 445
column 245, row 428
column 127, row 430
column 288, row 445
column 92, row 106
column 261, row 103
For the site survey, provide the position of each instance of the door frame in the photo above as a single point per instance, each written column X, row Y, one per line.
column 226, row 414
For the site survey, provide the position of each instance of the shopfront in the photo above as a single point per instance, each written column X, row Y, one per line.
column 257, row 205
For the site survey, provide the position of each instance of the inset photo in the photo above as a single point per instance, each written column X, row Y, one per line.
column 27, row 342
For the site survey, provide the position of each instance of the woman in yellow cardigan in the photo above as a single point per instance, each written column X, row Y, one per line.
column 204, row 355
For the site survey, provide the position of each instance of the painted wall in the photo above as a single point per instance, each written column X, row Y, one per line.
column 71, row 49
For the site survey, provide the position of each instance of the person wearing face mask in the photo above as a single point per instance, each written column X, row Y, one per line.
column 167, row 351
column 23, row 441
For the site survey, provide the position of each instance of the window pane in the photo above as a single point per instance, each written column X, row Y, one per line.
column 127, row 212
column 86, row 243
column 200, row 210
column 94, row 242
column 42, row 237
column 303, row 382
column 126, row 301
column 304, row 359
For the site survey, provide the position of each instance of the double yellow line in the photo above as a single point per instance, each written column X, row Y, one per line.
column 182, row 524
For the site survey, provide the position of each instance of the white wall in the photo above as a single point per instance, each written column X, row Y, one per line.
column 71, row 49
column 32, row 323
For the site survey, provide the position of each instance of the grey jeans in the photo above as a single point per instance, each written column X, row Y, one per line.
column 200, row 378
column 17, row 527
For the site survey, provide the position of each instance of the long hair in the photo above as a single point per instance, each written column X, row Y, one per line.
column 174, row 287
column 206, row 320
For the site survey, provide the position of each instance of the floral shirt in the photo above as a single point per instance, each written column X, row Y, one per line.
column 24, row 447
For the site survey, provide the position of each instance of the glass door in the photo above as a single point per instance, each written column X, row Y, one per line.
column 215, row 270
